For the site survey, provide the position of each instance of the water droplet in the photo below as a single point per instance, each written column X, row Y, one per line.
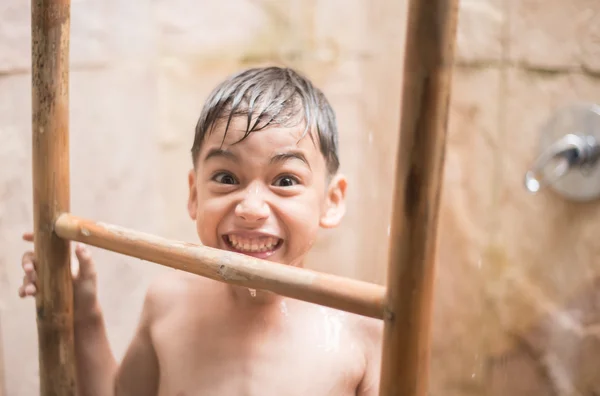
column 531, row 183
column 284, row 308
column 331, row 329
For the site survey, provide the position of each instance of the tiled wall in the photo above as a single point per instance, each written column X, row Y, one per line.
column 515, row 302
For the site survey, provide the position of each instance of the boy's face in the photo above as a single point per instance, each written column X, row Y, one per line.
column 265, row 196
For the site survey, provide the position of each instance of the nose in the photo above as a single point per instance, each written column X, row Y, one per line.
column 253, row 207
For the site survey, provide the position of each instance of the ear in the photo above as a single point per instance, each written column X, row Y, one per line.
column 193, row 195
column 335, row 202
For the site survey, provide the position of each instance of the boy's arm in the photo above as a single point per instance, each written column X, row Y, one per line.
column 99, row 374
column 96, row 365
column 138, row 373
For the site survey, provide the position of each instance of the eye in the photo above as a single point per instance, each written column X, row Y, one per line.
column 286, row 181
column 224, row 178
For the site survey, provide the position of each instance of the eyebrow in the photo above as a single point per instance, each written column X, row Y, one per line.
column 218, row 152
column 293, row 154
column 279, row 157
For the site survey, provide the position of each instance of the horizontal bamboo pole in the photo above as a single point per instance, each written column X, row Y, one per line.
column 430, row 42
column 337, row 292
column 50, row 25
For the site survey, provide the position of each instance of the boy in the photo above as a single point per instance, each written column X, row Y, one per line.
column 264, row 179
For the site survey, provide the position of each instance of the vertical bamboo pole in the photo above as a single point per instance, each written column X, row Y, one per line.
column 428, row 62
column 50, row 25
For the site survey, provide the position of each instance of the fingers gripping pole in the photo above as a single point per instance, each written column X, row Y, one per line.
column 50, row 146
column 427, row 70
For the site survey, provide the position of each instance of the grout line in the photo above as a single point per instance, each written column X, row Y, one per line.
column 506, row 63
column 503, row 62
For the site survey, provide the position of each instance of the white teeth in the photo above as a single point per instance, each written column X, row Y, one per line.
column 261, row 244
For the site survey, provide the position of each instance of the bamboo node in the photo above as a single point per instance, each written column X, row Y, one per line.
column 388, row 315
column 55, row 320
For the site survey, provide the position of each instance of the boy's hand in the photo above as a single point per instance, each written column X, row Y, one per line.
column 84, row 280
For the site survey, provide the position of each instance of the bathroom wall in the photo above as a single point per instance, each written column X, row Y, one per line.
column 517, row 299
column 515, row 305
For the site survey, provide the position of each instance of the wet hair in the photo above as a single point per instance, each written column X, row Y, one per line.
column 270, row 96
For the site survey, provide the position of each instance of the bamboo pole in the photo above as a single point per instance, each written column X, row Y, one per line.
column 430, row 38
column 337, row 292
column 50, row 132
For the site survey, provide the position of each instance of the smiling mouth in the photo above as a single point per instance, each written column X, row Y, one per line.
column 254, row 246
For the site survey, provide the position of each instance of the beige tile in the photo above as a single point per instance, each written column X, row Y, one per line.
column 89, row 32
column 558, row 355
column 19, row 336
column 517, row 374
column 553, row 34
column 251, row 31
column 546, row 266
column 590, row 43
column 348, row 28
column 366, row 106
column 534, row 225
column 480, row 30
column 461, row 326
column 213, row 30
column 101, row 33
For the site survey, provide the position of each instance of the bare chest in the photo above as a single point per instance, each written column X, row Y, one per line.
column 232, row 359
